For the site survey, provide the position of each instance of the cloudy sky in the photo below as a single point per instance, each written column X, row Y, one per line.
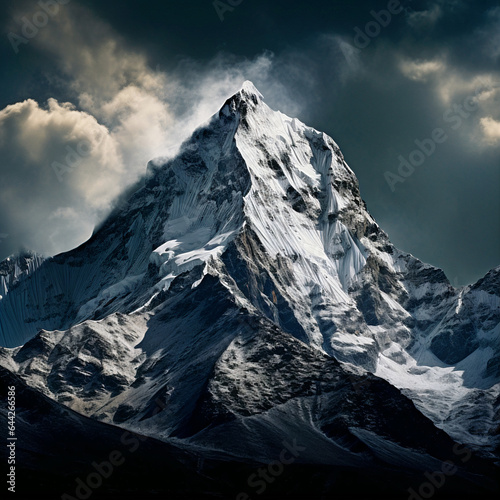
column 92, row 90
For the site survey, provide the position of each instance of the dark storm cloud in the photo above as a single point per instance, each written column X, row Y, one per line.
column 375, row 100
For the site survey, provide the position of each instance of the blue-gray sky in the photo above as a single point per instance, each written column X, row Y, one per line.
column 91, row 90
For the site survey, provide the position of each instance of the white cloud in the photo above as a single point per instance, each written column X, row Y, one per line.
column 450, row 82
column 454, row 86
column 33, row 139
column 55, row 158
column 421, row 70
column 491, row 130
column 425, row 19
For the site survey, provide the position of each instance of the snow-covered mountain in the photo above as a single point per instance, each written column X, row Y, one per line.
column 245, row 287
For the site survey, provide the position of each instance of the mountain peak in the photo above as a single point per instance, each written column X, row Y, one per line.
column 248, row 97
column 249, row 89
